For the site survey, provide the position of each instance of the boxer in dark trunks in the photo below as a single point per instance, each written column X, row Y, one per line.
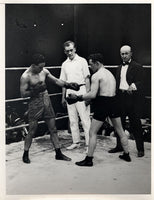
column 32, row 84
column 103, row 93
column 110, row 107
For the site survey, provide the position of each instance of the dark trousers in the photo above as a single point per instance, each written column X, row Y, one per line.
column 131, row 106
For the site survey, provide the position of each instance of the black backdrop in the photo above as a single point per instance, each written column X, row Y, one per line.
column 43, row 28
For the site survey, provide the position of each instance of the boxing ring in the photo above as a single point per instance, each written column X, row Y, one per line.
column 27, row 98
column 57, row 94
column 51, row 174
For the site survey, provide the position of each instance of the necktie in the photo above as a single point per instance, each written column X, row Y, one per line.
column 125, row 63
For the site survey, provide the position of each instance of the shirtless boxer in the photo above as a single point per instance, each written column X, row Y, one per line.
column 103, row 91
column 32, row 84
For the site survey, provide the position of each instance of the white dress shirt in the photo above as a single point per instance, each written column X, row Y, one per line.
column 123, row 82
column 75, row 70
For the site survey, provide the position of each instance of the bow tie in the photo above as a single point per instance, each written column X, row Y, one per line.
column 125, row 63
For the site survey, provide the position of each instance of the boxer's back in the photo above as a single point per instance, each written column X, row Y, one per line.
column 107, row 83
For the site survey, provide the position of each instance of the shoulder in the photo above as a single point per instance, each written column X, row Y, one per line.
column 104, row 73
column 81, row 59
column 95, row 77
column 135, row 64
column 25, row 75
column 65, row 62
column 83, row 62
column 46, row 71
column 64, row 65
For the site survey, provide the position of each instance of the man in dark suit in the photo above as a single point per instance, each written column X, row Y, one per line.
column 130, row 92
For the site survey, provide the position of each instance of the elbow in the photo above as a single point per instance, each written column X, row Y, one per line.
column 89, row 96
column 92, row 96
column 58, row 83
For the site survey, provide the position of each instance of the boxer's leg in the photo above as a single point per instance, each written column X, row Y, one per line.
column 84, row 113
column 55, row 140
column 28, row 140
column 123, row 138
column 95, row 126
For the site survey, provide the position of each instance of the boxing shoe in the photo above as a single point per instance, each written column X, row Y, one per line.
column 25, row 157
column 140, row 153
column 125, row 156
column 115, row 150
column 87, row 162
column 73, row 146
column 62, row 157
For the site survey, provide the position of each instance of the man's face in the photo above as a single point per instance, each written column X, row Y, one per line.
column 125, row 54
column 70, row 51
column 38, row 68
column 93, row 66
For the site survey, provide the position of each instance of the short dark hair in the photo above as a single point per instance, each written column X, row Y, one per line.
column 38, row 58
column 67, row 43
column 96, row 57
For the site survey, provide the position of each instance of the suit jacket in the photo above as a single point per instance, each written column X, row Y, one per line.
column 135, row 74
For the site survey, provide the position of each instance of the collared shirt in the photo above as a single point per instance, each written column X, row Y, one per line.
column 123, row 82
column 75, row 70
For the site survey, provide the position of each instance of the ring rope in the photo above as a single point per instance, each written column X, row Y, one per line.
column 27, row 98
column 39, row 122
column 26, row 125
column 58, row 67
column 21, row 68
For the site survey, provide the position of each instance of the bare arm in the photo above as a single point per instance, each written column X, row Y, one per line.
column 73, row 98
column 55, row 80
column 63, row 93
column 24, row 87
column 87, row 82
column 64, row 97
column 61, row 83
column 94, row 89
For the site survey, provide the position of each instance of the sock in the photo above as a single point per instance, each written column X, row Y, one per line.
column 26, row 153
column 58, row 151
column 89, row 158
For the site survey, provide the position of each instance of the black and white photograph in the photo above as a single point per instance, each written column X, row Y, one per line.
column 77, row 101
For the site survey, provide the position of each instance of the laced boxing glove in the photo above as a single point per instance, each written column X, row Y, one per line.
column 73, row 98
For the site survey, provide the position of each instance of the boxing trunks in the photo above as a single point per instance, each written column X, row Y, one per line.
column 40, row 107
column 106, row 107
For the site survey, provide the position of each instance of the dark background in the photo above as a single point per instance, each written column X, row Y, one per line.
column 104, row 28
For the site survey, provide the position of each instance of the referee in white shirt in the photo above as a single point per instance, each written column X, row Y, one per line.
column 75, row 68
column 130, row 90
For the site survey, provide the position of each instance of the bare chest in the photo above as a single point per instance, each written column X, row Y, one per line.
column 36, row 78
